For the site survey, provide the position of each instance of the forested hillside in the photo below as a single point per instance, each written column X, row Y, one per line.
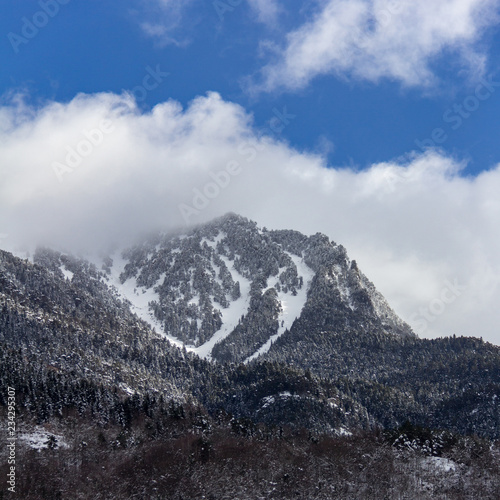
column 341, row 387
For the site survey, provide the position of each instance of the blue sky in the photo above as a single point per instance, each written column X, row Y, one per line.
column 117, row 118
column 93, row 46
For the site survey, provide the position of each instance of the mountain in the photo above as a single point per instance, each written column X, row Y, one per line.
column 227, row 337
column 63, row 328
column 232, row 292
column 228, row 290
column 176, row 314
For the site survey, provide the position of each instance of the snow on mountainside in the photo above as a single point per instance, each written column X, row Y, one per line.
column 138, row 297
column 196, row 288
column 294, row 307
column 227, row 290
column 291, row 306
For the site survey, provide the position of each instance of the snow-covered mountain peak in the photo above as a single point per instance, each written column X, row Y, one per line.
column 229, row 289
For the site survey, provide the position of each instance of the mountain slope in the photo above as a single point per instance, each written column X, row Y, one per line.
column 79, row 325
column 228, row 290
column 63, row 328
column 318, row 347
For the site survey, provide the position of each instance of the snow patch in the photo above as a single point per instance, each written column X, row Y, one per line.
column 39, row 439
column 213, row 243
column 441, row 464
column 127, row 389
column 139, row 297
column 67, row 274
column 291, row 305
column 342, row 431
column 268, row 400
column 230, row 315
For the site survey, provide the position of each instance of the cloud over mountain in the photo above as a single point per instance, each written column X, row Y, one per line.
column 98, row 170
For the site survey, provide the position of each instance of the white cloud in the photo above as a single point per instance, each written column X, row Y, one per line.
column 374, row 39
column 168, row 17
column 416, row 226
column 267, row 10
column 164, row 20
